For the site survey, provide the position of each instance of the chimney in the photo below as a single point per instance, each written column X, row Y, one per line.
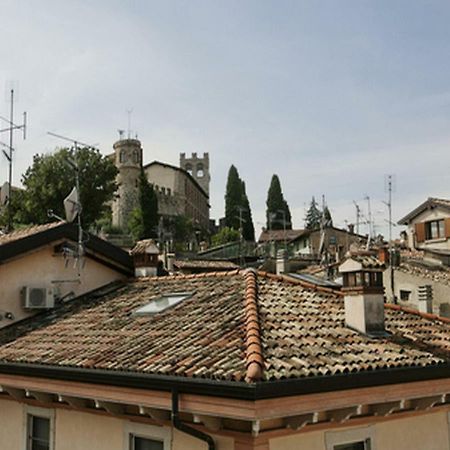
column 351, row 228
column 282, row 264
column 363, row 294
column 145, row 256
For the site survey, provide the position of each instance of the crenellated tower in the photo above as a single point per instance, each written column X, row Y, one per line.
column 198, row 168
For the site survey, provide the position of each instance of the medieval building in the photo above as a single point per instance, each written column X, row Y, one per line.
column 181, row 191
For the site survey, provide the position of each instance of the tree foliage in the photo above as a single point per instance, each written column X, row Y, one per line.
column 225, row 235
column 278, row 215
column 313, row 216
column 51, row 177
column 148, row 203
column 237, row 205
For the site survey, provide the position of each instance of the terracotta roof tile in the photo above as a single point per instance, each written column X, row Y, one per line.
column 239, row 325
column 25, row 232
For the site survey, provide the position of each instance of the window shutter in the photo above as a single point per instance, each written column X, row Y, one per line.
column 420, row 232
column 447, row 228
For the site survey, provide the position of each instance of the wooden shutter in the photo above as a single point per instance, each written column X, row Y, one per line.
column 447, row 228
column 420, row 232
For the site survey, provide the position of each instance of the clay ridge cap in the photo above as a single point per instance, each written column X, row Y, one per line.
column 219, row 273
column 428, row 316
column 305, row 284
column 253, row 354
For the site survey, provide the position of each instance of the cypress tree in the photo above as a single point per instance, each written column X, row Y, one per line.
column 278, row 215
column 236, row 204
column 328, row 220
column 148, row 203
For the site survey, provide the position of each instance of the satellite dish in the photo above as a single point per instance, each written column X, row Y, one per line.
column 71, row 205
column 4, row 191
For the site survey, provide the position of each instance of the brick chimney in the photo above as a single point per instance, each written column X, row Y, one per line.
column 363, row 294
column 145, row 256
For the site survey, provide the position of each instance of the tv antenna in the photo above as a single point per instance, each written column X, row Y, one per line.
column 358, row 216
column 72, row 203
column 129, row 112
column 389, row 186
column 369, row 222
column 8, row 151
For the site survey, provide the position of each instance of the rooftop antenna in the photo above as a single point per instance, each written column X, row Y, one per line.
column 129, row 112
column 72, row 202
column 8, row 153
column 389, row 186
column 358, row 216
column 369, row 222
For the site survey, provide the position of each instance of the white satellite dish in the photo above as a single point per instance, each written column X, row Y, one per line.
column 71, row 205
column 4, row 192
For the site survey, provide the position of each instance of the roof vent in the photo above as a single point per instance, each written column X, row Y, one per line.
column 364, row 294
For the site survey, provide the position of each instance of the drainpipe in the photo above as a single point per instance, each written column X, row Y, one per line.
column 179, row 425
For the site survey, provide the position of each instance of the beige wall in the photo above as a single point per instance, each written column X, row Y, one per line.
column 40, row 269
column 422, row 432
column 409, row 282
column 74, row 430
column 426, row 216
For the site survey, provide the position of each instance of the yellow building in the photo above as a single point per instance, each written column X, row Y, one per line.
column 228, row 361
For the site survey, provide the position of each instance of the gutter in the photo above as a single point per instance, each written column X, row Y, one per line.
column 179, row 425
column 231, row 389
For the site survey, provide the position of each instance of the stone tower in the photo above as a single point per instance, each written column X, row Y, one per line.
column 128, row 160
column 198, row 168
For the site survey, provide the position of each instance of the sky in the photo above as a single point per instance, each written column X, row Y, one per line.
column 331, row 96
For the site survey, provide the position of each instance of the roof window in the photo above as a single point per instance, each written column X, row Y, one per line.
column 163, row 302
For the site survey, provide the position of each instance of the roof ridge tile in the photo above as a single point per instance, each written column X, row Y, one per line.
column 425, row 315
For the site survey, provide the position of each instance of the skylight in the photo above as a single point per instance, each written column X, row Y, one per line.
column 162, row 303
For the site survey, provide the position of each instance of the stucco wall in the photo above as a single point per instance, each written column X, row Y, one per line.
column 422, row 432
column 410, row 282
column 40, row 269
column 426, row 216
column 74, row 430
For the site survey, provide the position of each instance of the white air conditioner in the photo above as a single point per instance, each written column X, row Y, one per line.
column 37, row 298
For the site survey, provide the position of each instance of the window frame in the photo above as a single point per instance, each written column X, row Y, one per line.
column 439, row 225
column 33, row 411
column 355, row 435
column 146, row 431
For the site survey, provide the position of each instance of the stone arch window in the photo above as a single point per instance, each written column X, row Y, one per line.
column 189, row 169
column 122, row 156
column 136, row 157
column 200, row 171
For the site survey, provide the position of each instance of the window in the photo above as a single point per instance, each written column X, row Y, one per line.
column 200, row 171
column 139, row 436
column 435, row 229
column 405, row 295
column 353, row 439
column 122, row 157
column 361, row 445
column 161, row 303
column 38, row 428
column 143, row 443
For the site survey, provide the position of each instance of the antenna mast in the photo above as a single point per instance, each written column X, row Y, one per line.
column 75, row 166
column 358, row 216
column 9, row 154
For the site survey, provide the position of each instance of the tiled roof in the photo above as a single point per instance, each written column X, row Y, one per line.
column 440, row 276
column 430, row 202
column 236, row 326
column 280, row 235
column 145, row 246
column 26, row 232
column 205, row 264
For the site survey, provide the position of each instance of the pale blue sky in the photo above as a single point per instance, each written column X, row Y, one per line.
column 330, row 95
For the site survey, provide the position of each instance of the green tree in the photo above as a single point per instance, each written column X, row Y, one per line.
column 51, row 177
column 328, row 220
column 313, row 216
column 278, row 215
column 225, row 235
column 148, row 203
column 248, row 230
column 237, row 205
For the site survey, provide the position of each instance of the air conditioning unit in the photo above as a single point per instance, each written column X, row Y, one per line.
column 37, row 298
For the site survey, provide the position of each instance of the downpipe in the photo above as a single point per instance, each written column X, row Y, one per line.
column 179, row 425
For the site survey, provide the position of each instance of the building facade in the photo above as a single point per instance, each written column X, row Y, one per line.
column 180, row 192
